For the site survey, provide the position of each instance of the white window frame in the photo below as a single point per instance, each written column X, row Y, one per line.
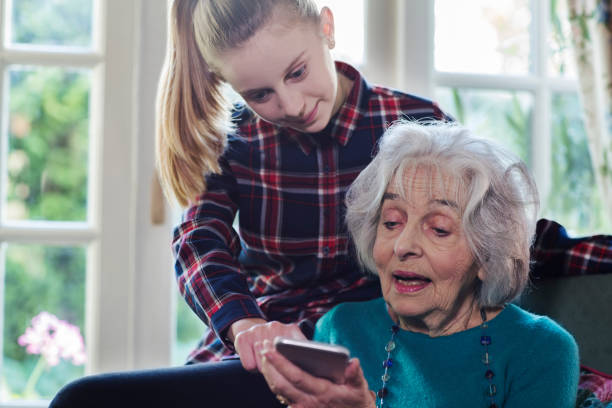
column 129, row 284
column 407, row 63
column 133, row 303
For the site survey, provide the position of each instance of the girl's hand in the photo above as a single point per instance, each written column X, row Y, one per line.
column 299, row 389
column 245, row 333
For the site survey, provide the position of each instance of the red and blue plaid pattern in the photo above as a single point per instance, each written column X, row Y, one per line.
column 556, row 254
column 292, row 261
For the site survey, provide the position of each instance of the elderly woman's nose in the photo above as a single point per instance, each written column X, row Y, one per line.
column 407, row 244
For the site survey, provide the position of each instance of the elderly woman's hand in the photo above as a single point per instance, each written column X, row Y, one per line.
column 299, row 389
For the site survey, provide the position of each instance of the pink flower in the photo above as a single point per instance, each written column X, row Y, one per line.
column 54, row 339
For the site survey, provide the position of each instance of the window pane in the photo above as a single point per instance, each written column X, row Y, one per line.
column 48, row 279
column 63, row 23
column 349, row 26
column 482, row 36
column 574, row 200
column 499, row 115
column 189, row 329
column 48, row 150
column 560, row 58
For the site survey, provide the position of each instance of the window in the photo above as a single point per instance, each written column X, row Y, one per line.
column 45, row 192
column 68, row 166
column 508, row 74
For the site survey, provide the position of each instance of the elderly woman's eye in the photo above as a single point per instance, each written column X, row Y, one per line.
column 390, row 224
column 440, row 232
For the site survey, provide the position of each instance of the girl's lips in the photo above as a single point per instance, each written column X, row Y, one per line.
column 312, row 115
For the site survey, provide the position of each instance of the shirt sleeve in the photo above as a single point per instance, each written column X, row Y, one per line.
column 556, row 254
column 546, row 375
column 206, row 249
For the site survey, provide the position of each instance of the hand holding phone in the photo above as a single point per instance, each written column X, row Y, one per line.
column 318, row 359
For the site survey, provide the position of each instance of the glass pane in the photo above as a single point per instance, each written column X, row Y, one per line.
column 499, row 115
column 560, row 61
column 44, row 311
column 59, row 23
column 349, row 26
column 48, row 150
column 574, row 200
column 482, row 36
column 189, row 329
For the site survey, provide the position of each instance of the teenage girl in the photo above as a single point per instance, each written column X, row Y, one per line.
column 282, row 162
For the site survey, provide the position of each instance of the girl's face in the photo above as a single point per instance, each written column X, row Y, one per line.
column 427, row 271
column 285, row 72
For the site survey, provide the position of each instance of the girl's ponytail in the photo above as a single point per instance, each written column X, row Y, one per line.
column 193, row 116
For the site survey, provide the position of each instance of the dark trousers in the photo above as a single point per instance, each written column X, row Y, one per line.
column 223, row 384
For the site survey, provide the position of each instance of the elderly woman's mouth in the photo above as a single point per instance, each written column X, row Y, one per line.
column 410, row 282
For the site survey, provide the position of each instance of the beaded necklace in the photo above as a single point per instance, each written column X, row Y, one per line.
column 485, row 341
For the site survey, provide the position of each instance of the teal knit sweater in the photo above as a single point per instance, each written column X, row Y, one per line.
column 535, row 361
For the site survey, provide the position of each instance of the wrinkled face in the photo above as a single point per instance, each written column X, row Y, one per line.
column 426, row 269
column 285, row 73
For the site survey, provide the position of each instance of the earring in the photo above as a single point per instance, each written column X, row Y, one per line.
column 331, row 43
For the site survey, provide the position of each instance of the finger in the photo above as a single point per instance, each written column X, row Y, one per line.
column 280, row 386
column 244, row 348
column 244, row 340
column 258, row 351
column 297, row 377
column 354, row 374
column 277, row 383
column 296, row 333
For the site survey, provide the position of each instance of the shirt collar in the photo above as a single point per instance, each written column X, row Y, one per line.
column 341, row 126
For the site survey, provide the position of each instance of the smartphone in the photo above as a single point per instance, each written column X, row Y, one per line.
column 318, row 359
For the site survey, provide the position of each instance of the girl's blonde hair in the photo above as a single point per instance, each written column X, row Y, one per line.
column 193, row 115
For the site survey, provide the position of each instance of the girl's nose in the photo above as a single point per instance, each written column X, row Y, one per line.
column 291, row 104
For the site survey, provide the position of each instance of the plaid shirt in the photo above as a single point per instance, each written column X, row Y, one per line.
column 555, row 254
column 292, row 261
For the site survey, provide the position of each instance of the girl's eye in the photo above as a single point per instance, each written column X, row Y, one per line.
column 258, row 96
column 298, row 73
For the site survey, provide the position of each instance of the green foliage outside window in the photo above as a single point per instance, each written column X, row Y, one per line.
column 47, row 164
column 52, row 22
column 48, row 145
column 574, row 200
column 502, row 116
column 189, row 329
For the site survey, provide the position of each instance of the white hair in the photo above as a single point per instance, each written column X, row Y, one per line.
column 496, row 193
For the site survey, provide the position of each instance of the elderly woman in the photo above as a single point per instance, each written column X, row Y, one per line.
column 446, row 221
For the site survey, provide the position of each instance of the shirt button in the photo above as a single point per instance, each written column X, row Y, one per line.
column 326, row 167
column 325, row 251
